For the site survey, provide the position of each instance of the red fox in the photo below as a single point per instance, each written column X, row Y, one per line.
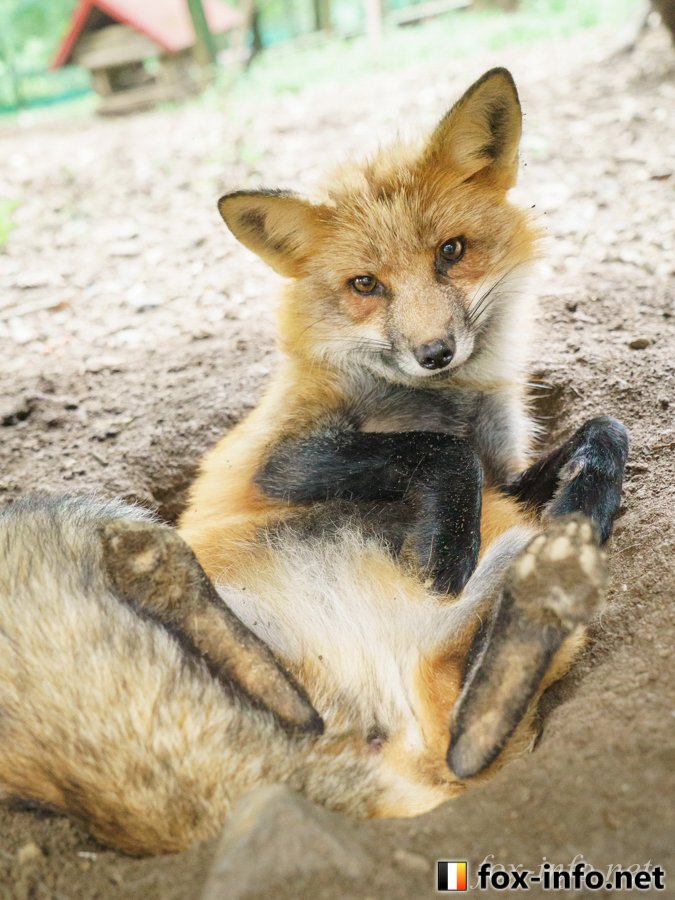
column 381, row 481
column 384, row 588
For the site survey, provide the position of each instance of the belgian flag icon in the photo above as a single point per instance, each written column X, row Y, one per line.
column 451, row 875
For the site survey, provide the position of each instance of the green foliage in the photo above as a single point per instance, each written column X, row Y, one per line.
column 30, row 32
column 32, row 29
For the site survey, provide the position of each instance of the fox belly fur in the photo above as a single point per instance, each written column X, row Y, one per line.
column 146, row 734
column 105, row 715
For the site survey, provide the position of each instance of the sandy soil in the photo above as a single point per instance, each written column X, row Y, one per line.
column 133, row 332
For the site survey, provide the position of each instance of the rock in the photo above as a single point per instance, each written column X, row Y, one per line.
column 640, row 343
column 276, row 837
column 29, row 853
column 14, row 410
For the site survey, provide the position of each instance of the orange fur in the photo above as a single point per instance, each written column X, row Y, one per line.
column 499, row 514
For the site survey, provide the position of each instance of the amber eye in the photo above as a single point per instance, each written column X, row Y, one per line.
column 453, row 250
column 365, row 284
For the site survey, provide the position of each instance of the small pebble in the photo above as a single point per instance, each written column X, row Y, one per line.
column 29, row 853
column 640, row 343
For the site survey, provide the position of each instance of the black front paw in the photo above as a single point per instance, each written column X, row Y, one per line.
column 457, row 568
column 300, row 470
column 446, row 537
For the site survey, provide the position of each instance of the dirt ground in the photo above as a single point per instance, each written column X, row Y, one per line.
column 134, row 332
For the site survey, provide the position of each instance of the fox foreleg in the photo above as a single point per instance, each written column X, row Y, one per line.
column 439, row 476
column 150, row 566
column 584, row 475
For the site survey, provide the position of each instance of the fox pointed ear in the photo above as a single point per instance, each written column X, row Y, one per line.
column 480, row 134
column 278, row 226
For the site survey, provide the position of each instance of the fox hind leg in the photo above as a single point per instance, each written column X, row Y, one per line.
column 150, row 566
column 550, row 592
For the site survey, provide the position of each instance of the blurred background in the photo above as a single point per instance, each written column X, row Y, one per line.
column 58, row 51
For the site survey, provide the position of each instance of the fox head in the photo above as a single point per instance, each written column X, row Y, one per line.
column 407, row 266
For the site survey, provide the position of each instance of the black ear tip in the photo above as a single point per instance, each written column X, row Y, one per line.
column 495, row 81
column 233, row 195
column 498, row 74
column 229, row 209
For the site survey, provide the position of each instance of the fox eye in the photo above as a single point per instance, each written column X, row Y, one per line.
column 365, row 284
column 453, row 250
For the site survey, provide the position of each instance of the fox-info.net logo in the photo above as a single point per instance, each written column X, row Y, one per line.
column 451, row 875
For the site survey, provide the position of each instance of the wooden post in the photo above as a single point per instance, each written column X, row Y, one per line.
column 666, row 10
column 256, row 34
column 322, row 16
column 204, row 41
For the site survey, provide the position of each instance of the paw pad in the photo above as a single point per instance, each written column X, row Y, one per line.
column 562, row 571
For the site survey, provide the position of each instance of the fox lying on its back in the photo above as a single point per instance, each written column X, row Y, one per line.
column 398, row 412
column 361, row 524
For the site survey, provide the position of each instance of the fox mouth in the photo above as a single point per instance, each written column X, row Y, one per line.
column 392, row 370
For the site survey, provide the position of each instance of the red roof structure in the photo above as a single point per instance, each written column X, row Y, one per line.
column 165, row 22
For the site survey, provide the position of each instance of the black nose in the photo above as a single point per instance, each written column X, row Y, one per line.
column 436, row 355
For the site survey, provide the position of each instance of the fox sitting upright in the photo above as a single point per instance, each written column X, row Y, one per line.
column 381, row 482
column 405, row 317
column 371, row 525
